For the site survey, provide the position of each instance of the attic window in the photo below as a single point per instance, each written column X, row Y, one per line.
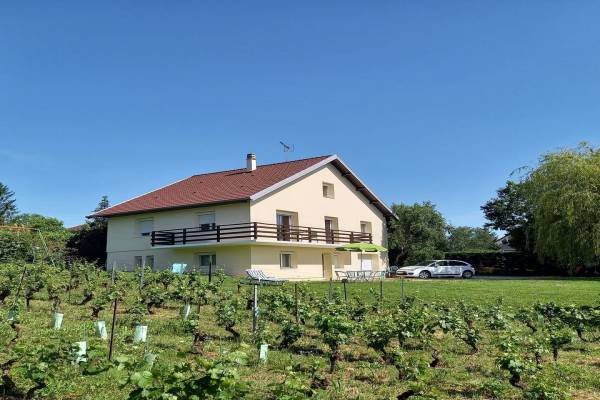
column 328, row 191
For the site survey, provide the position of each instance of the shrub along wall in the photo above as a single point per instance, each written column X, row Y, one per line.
column 499, row 263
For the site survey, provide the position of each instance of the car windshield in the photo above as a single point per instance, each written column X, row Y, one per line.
column 424, row 263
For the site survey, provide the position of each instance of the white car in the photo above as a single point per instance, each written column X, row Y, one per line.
column 438, row 268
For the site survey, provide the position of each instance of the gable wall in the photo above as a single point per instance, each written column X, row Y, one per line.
column 305, row 197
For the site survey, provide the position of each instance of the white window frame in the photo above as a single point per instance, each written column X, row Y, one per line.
column 281, row 257
column 138, row 227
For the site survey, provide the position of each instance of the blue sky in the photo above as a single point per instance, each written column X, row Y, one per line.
column 425, row 100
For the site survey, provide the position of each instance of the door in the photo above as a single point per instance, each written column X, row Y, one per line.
column 367, row 262
column 327, row 265
column 456, row 267
column 442, row 268
column 328, row 230
column 284, row 223
column 206, row 221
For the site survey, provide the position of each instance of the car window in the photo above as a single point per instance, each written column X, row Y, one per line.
column 441, row 263
column 459, row 263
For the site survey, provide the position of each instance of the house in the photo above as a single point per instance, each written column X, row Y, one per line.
column 286, row 219
column 504, row 244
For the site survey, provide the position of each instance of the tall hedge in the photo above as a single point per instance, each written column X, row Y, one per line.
column 500, row 263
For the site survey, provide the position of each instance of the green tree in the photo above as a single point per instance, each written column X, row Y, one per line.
column 8, row 207
column 418, row 234
column 563, row 191
column 40, row 222
column 511, row 211
column 90, row 242
column 466, row 238
column 50, row 230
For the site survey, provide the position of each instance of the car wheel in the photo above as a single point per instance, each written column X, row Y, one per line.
column 467, row 275
column 424, row 274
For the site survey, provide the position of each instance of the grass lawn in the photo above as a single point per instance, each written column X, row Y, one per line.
column 362, row 374
column 515, row 292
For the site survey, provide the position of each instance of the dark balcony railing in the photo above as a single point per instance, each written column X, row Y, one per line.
column 256, row 230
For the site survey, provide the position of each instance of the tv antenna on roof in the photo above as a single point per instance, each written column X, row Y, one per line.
column 287, row 148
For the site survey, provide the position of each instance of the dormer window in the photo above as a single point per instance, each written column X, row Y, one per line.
column 328, row 191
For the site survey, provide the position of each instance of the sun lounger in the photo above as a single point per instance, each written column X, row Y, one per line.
column 259, row 276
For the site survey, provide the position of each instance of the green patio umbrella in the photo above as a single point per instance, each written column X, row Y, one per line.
column 362, row 248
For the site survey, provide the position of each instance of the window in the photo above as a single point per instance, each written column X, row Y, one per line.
column 208, row 259
column 328, row 190
column 206, row 221
column 365, row 227
column 285, row 260
column 137, row 261
column 150, row 262
column 145, row 227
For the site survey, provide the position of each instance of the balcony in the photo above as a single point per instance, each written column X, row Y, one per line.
column 256, row 231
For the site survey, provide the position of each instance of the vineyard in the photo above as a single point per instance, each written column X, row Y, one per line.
column 78, row 332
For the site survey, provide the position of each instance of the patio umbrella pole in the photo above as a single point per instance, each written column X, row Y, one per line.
column 255, row 309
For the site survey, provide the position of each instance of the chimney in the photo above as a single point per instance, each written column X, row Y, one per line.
column 250, row 162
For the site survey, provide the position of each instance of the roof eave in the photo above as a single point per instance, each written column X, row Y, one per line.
column 151, row 210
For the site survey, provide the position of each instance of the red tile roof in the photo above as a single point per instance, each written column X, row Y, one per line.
column 216, row 187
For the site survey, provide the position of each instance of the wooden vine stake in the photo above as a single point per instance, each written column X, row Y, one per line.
column 114, row 316
column 112, row 330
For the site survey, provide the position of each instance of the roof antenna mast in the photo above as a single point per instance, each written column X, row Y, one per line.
column 287, row 149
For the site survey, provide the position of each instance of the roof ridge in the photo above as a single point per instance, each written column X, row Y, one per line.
column 259, row 166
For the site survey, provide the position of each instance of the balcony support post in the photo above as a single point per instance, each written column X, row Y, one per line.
column 184, row 235
column 218, row 233
column 255, row 228
column 309, row 235
column 153, row 238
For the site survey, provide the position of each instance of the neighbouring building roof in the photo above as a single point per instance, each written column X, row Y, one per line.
column 504, row 244
column 233, row 186
column 76, row 228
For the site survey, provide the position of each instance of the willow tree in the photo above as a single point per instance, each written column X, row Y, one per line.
column 564, row 191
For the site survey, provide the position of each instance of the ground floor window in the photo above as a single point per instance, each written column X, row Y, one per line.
column 208, row 259
column 137, row 261
column 285, row 260
column 150, row 262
